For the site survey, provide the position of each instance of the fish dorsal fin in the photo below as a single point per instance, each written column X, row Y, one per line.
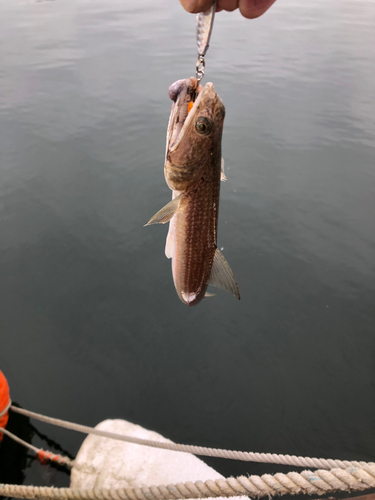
column 222, row 276
column 166, row 213
column 223, row 177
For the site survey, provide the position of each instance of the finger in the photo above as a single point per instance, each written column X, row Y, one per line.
column 228, row 5
column 195, row 6
column 254, row 8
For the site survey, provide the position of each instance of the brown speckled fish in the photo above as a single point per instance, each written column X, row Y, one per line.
column 193, row 172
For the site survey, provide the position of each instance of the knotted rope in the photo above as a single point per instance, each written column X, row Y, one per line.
column 319, row 482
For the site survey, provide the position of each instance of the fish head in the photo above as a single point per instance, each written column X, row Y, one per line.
column 194, row 132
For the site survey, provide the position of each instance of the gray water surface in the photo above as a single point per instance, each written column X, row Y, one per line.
column 91, row 326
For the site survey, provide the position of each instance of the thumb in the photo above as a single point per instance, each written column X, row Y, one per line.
column 196, row 6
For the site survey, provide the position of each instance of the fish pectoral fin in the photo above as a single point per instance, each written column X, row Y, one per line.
column 223, row 177
column 166, row 213
column 222, row 276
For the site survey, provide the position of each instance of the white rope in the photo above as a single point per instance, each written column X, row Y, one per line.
column 319, row 482
column 3, row 412
column 320, row 463
column 20, row 441
column 43, row 454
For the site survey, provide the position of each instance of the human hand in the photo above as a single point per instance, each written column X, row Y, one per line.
column 248, row 8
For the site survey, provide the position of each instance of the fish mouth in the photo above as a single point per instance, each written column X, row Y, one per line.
column 188, row 95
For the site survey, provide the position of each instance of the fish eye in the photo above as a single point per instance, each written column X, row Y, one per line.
column 203, row 125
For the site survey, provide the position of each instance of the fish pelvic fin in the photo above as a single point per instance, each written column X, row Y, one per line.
column 222, row 276
column 166, row 213
column 170, row 243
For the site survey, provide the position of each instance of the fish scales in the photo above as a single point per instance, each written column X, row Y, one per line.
column 196, row 238
column 193, row 171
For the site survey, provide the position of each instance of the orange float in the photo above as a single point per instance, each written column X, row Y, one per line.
column 4, row 403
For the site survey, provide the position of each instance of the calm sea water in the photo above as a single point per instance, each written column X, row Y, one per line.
column 91, row 326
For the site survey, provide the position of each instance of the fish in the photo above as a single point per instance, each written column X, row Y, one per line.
column 193, row 171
